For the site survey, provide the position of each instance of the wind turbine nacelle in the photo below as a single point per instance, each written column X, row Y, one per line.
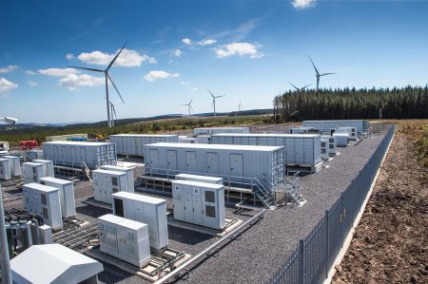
column 10, row 120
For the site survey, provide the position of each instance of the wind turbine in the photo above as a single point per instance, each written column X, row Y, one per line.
column 299, row 89
column 239, row 106
column 214, row 98
column 318, row 74
column 113, row 111
column 189, row 106
column 107, row 78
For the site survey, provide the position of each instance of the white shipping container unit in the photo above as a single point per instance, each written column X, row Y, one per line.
column 108, row 182
column 235, row 163
column 330, row 144
column 132, row 144
column 302, row 150
column 44, row 201
column 145, row 209
column 216, row 130
column 125, row 239
column 189, row 140
column 341, row 139
column 128, row 171
column 33, row 172
column 199, row 203
column 66, row 194
column 352, row 132
column 206, row 179
column 5, row 169
column 15, row 165
column 48, row 167
column 72, row 154
column 326, row 125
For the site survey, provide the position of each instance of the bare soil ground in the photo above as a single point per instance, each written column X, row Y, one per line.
column 390, row 244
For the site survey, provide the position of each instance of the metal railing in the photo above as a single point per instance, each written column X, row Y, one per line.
column 315, row 255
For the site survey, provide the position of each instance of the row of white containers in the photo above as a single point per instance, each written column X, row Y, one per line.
column 303, row 150
column 10, row 166
column 216, row 130
column 132, row 144
column 234, row 163
column 326, row 125
column 72, row 154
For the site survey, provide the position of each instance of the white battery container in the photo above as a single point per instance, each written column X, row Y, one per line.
column 15, row 165
column 129, row 174
column 5, row 169
column 145, row 209
column 108, row 182
column 66, row 193
column 33, row 172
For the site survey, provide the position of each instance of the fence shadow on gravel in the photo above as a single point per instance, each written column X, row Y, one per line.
column 315, row 255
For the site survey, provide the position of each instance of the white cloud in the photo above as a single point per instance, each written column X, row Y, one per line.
column 73, row 81
column 239, row 49
column 29, row 72
column 128, row 58
column 32, row 83
column 154, row 75
column 177, row 53
column 206, row 42
column 189, row 86
column 58, row 72
column 8, row 69
column 303, row 4
column 187, row 41
column 6, row 86
column 69, row 56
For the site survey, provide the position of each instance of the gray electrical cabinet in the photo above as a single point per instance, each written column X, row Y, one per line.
column 33, row 172
column 199, row 203
column 108, row 182
column 66, row 193
column 47, row 167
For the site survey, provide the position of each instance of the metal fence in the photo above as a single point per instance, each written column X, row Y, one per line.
column 316, row 254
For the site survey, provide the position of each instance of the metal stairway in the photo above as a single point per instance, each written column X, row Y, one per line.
column 293, row 190
column 86, row 171
column 262, row 194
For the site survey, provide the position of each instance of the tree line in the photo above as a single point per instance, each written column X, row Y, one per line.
column 397, row 103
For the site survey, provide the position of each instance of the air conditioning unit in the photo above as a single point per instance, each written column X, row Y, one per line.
column 108, row 182
column 125, row 239
column 145, row 209
column 33, row 172
column 15, row 165
column 44, row 201
column 129, row 174
column 207, row 179
column 47, row 167
column 5, row 170
column 199, row 203
column 329, row 142
column 66, row 193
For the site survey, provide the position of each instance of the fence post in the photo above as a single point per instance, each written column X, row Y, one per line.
column 301, row 262
column 326, row 244
column 342, row 217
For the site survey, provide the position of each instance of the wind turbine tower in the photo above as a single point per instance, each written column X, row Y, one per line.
column 189, row 106
column 214, row 98
column 318, row 75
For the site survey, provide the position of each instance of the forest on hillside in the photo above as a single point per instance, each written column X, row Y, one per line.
column 397, row 103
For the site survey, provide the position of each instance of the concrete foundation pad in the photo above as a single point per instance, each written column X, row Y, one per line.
column 93, row 202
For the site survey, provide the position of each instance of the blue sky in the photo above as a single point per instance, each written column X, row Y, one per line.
column 246, row 50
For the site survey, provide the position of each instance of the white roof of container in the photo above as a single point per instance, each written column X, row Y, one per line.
column 10, row 157
column 56, row 180
column 265, row 135
column 41, row 187
column 217, row 146
column 77, row 143
column 144, row 135
column 138, row 197
column 341, row 134
column 131, row 224
column 208, row 178
column 53, row 263
column 198, row 183
column 32, row 164
column 4, row 159
column 113, row 173
column 106, row 167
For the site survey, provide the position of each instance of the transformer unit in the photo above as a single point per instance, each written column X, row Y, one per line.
column 341, row 139
column 48, row 167
column 5, row 171
column 43, row 200
column 33, row 172
column 217, row 130
column 145, row 209
column 206, row 179
column 132, row 144
column 125, row 239
column 329, row 144
column 199, row 203
column 108, row 182
column 66, row 194
column 128, row 171
column 15, row 165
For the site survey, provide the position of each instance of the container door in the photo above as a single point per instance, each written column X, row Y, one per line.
column 197, row 206
column 118, row 208
column 289, row 151
column 188, row 204
column 178, row 202
column 154, row 159
column 191, row 162
column 212, row 163
column 299, row 151
column 55, row 153
column 83, row 154
column 236, row 167
column 73, row 156
column 171, row 156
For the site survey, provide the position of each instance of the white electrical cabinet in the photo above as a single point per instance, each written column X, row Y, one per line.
column 5, row 170
column 44, row 201
column 33, row 172
column 329, row 144
column 15, row 165
column 352, row 132
column 199, row 203
column 206, row 179
column 48, row 167
column 125, row 239
column 129, row 174
column 145, row 209
column 108, row 182
column 341, row 139
column 66, row 194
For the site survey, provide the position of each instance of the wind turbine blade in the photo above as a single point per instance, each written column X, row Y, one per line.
column 114, row 85
column 85, row 68
column 113, row 109
column 316, row 70
column 191, row 101
column 219, row 96
column 306, row 86
column 211, row 93
column 324, row 74
column 191, row 108
column 114, row 59
column 297, row 89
